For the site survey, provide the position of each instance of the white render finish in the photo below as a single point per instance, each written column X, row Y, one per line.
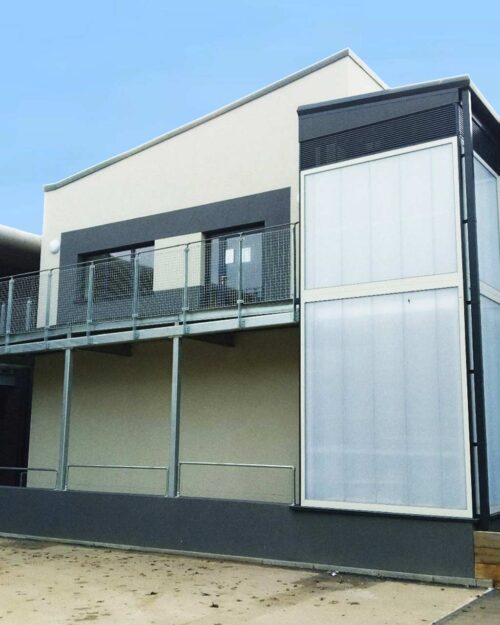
column 239, row 404
column 248, row 149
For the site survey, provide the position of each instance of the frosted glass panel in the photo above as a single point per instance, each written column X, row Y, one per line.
column 490, row 319
column 384, row 219
column 487, row 225
column 384, row 415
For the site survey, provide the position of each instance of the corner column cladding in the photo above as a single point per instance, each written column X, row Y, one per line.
column 395, row 399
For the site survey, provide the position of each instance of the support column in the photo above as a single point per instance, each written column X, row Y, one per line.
column 175, row 417
column 62, row 475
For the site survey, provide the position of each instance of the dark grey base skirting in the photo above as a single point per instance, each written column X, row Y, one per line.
column 418, row 546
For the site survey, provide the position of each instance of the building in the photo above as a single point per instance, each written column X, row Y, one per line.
column 274, row 336
column 19, row 253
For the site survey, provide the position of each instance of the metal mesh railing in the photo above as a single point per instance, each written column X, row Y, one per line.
column 4, row 296
column 231, row 271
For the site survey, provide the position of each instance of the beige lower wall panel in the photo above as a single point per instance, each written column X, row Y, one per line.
column 239, row 404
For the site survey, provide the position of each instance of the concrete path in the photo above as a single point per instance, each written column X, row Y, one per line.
column 45, row 583
column 485, row 610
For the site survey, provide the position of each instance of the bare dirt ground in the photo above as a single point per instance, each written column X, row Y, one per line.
column 45, row 583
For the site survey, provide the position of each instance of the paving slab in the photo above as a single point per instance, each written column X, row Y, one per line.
column 47, row 583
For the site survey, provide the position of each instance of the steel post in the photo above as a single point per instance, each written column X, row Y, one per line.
column 8, row 321
column 175, row 416
column 62, row 475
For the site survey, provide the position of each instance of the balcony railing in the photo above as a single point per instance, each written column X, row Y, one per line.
column 233, row 272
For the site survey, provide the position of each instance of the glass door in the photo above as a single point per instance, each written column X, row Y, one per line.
column 225, row 266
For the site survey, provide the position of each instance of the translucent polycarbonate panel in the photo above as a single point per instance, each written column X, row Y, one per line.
column 384, row 219
column 490, row 321
column 488, row 233
column 384, row 419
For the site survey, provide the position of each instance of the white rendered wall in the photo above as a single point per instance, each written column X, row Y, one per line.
column 248, row 150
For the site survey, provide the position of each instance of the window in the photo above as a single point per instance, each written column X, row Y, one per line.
column 114, row 272
column 223, row 265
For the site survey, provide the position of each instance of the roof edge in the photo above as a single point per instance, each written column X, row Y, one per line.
column 13, row 237
column 414, row 88
column 359, row 61
column 346, row 52
column 482, row 99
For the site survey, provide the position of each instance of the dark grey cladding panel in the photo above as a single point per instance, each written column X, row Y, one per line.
column 268, row 531
column 271, row 208
column 487, row 144
column 332, row 119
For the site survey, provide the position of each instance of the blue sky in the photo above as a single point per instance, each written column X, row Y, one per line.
column 85, row 80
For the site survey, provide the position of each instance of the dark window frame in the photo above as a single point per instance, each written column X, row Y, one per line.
column 98, row 258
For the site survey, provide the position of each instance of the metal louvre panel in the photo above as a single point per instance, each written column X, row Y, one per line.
column 395, row 133
column 460, row 114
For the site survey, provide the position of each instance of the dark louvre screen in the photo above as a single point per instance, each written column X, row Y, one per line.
column 390, row 134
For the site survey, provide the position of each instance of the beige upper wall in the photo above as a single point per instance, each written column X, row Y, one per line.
column 246, row 150
column 238, row 404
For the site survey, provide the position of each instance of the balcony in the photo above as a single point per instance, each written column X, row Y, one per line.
column 226, row 283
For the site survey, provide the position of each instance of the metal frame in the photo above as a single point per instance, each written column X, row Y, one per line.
column 275, row 316
column 8, row 317
column 26, row 470
column 62, row 475
column 454, row 280
column 475, row 373
column 175, row 417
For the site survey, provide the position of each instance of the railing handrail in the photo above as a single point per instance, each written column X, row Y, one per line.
column 239, row 464
column 243, row 272
column 202, row 463
column 117, row 466
column 86, row 263
column 28, row 469
column 143, row 467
